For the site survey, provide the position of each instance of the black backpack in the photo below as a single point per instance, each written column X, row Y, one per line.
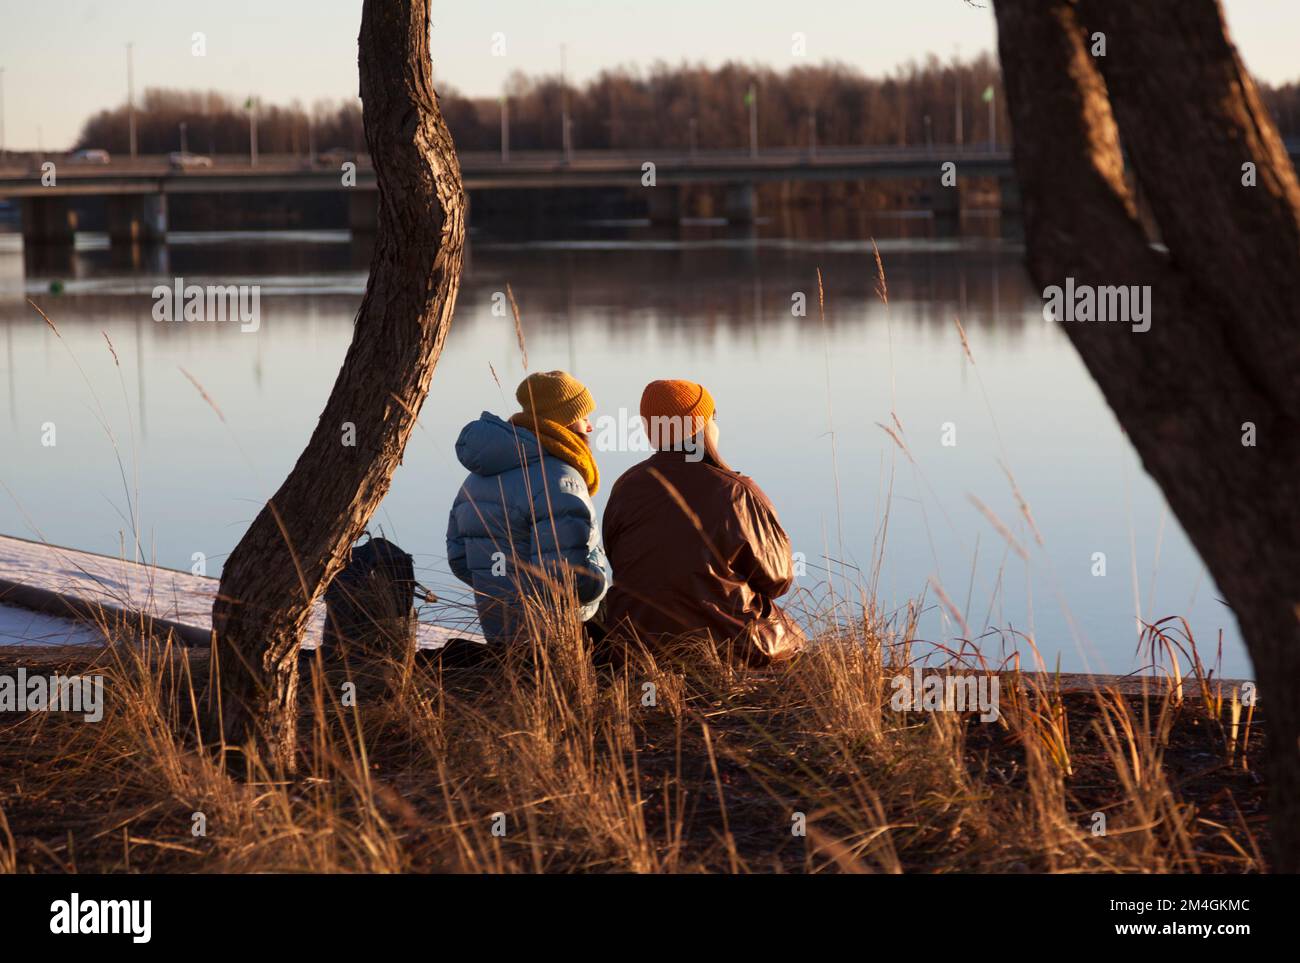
column 373, row 596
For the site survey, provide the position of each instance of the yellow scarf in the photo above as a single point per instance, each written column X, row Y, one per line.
column 564, row 443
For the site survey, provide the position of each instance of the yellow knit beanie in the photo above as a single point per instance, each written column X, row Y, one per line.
column 675, row 410
column 554, row 396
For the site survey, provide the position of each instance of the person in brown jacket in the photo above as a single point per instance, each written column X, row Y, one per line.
column 696, row 547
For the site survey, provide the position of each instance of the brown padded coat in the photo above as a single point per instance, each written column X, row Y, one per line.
column 696, row 548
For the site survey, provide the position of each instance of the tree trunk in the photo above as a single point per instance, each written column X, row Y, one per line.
column 1223, row 349
column 299, row 540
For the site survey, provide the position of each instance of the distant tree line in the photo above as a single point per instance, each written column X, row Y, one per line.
column 219, row 124
column 670, row 107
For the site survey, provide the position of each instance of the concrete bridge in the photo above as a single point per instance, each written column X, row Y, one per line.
column 136, row 191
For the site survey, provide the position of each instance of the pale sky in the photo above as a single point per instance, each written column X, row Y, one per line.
column 63, row 60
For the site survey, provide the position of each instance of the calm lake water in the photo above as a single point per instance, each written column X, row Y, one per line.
column 800, row 407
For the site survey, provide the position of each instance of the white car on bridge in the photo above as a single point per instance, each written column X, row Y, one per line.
column 92, row 155
column 185, row 161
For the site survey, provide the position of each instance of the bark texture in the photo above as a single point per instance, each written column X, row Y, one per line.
column 1223, row 349
column 300, row 538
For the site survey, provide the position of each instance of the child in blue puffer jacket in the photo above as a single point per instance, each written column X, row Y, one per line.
column 525, row 511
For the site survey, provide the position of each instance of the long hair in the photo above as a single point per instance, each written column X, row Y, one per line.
column 712, row 453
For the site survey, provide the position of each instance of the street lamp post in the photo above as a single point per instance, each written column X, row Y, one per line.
column 566, row 138
column 956, row 70
column 752, row 99
column 505, row 128
column 130, row 96
column 993, row 121
column 252, row 131
column 957, row 108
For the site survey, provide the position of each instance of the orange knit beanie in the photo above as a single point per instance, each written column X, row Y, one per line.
column 675, row 410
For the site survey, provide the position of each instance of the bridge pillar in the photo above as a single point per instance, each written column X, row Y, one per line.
column 740, row 203
column 665, row 204
column 137, row 218
column 48, row 220
column 1009, row 192
column 363, row 211
column 1011, row 224
column 944, row 202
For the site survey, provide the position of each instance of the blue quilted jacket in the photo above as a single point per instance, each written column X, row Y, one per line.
column 520, row 512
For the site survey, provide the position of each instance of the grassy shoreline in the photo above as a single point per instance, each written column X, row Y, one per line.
column 544, row 762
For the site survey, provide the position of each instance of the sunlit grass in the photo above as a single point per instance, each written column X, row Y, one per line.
column 674, row 761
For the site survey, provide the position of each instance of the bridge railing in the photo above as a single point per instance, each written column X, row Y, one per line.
column 26, row 165
column 146, row 165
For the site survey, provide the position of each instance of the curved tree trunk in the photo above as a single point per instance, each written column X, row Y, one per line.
column 1223, row 349
column 299, row 540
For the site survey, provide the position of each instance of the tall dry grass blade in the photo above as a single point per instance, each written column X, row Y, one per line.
column 519, row 327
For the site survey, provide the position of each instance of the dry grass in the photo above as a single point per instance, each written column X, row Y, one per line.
column 676, row 761
column 544, row 761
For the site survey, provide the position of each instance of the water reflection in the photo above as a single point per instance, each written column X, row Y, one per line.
column 619, row 305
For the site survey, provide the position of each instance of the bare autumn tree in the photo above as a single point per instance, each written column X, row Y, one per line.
column 1210, row 395
column 299, row 540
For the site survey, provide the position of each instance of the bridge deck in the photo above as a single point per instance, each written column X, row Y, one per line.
column 524, row 170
